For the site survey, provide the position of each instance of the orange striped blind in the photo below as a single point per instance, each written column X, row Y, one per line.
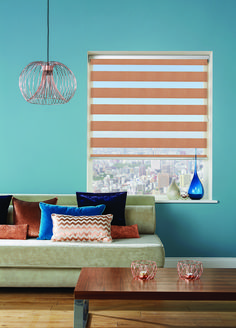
column 148, row 107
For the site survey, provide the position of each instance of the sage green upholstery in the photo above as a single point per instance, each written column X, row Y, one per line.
column 44, row 263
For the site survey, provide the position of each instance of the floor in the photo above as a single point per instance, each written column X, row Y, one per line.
column 47, row 308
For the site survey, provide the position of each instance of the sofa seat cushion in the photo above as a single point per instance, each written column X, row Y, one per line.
column 48, row 254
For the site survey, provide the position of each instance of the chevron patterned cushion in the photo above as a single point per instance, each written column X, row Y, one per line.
column 82, row 228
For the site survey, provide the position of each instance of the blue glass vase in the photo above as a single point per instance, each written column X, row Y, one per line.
column 196, row 190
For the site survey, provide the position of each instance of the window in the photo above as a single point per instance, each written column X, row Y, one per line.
column 147, row 115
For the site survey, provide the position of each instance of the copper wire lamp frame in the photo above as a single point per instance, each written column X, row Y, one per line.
column 47, row 83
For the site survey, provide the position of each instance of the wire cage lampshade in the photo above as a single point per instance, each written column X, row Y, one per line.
column 47, row 83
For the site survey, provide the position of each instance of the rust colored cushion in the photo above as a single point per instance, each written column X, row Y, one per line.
column 120, row 232
column 13, row 231
column 29, row 213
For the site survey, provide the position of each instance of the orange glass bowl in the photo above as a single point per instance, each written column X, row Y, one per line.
column 143, row 269
column 189, row 269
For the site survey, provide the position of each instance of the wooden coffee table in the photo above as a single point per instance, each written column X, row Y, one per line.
column 118, row 284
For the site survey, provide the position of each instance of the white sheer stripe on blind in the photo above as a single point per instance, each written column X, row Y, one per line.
column 148, row 107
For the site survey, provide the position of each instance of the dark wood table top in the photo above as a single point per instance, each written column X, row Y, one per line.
column 118, row 283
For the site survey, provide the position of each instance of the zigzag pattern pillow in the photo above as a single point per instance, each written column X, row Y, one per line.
column 82, row 228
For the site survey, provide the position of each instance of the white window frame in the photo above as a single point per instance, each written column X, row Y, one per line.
column 191, row 54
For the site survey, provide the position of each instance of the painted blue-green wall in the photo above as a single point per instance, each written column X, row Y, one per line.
column 43, row 148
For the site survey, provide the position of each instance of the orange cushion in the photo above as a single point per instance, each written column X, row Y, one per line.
column 29, row 213
column 13, row 231
column 120, row 232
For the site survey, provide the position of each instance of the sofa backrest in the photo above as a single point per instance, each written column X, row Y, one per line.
column 140, row 209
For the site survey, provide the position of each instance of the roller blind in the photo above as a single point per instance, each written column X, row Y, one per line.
column 148, row 107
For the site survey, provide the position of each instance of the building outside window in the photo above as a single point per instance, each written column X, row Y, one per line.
column 148, row 113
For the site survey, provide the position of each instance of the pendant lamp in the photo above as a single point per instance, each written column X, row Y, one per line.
column 47, row 83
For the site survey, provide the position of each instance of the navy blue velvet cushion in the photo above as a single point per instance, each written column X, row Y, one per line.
column 114, row 201
column 46, row 224
column 4, row 204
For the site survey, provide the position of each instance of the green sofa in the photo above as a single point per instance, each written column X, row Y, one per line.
column 44, row 263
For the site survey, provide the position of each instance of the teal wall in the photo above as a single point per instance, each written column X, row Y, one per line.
column 43, row 148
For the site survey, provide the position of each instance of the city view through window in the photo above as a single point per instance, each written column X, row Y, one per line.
column 146, row 176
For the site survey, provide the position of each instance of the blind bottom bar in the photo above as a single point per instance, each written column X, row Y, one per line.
column 147, row 156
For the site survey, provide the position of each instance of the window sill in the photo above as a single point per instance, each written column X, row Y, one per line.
column 186, row 201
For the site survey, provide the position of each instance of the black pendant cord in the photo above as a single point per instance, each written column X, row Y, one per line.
column 47, row 31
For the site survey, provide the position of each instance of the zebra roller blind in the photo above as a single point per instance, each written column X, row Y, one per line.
column 148, row 106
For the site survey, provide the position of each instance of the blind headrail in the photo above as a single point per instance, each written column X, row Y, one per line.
column 126, row 55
